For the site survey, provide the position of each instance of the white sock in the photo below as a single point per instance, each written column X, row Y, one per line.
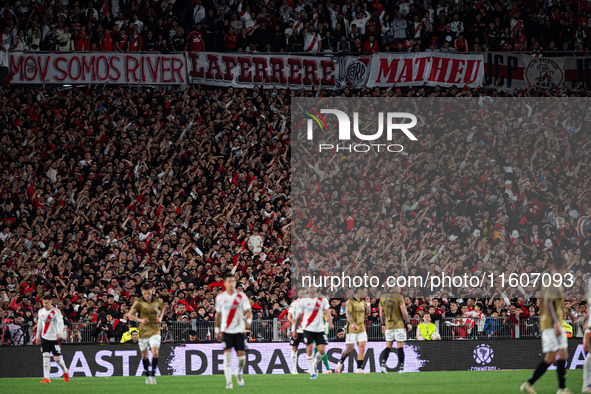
column 227, row 367
column 62, row 364
column 318, row 358
column 46, row 365
column 587, row 372
column 241, row 364
column 312, row 364
column 294, row 361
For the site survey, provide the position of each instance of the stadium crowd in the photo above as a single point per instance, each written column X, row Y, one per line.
column 294, row 26
column 104, row 188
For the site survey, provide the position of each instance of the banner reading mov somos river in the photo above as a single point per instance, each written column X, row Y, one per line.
column 97, row 67
column 433, row 69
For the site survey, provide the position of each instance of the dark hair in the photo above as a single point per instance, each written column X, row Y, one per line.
column 47, row 297
column 558, row 260
column 193, row 333
column 147, row 286
column 228, row 276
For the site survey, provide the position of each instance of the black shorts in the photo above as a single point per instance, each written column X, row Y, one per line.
column 236, row 341
column 317, row 337
column 48, row 346
column 296, row 342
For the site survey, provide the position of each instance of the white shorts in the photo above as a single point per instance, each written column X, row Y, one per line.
column 148, row 343
column 552, row 343
column 356, row 338
column 397, row 335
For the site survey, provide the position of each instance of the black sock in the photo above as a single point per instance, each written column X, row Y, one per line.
column 384, row 355
column 540, row 369
column 146, row 366
column 344, row 357
column 154, row 365
column 400, row 357
column 561, row 369
column 360, row 364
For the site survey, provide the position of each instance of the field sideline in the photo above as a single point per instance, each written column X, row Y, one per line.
column 422, row 382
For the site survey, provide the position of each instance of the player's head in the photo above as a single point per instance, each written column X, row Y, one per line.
column 361, row 293
column 558, row 262
column 230, row 282
column 147, row 291
column 46, row 300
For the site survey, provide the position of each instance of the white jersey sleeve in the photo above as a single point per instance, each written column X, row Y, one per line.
column 295, row 311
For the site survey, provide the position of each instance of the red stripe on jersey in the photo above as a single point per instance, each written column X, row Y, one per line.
column 314, row 312
column 48, row 321
column 233, row 308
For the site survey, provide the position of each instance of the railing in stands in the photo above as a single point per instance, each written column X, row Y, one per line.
column 276, row 330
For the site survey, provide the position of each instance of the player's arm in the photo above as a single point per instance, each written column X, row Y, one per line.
column 59, row 325
column 298, row 321
column 350, row 321
column 328, row 317
column 248, row 319
column 291, row 318
column 367, row 306
column 132, row 315
column 406, row 317
column 162, row 313
column 218, row 325
column 39, row 329
column 549, row 305
column 382, row 318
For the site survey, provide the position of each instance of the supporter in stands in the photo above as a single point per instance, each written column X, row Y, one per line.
column 519, row 26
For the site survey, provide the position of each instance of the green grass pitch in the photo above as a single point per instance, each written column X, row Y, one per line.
column 423, row 382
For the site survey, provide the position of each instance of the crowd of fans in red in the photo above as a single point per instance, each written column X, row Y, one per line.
column 102, row 188
column 294, row 26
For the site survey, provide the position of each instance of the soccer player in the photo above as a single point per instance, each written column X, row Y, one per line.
column 50, row 325
column 554, row 341
column 292, row 315
column 356, row 311
column 230, row 307
column 587, row 346
column 148, row 311
column 310, row 317
column 394, row 318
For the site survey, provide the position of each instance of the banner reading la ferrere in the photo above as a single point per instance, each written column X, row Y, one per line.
column 97, row 67
column 246, row 70
column 275, row 358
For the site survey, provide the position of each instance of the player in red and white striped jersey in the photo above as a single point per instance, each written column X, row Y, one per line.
column 50, row 326
column 311, row 313
column 230, row 327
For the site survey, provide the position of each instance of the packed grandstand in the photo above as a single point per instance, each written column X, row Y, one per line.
column 104, row 187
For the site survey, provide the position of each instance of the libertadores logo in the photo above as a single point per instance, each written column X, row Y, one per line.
column 483, row 354
column 354, row 137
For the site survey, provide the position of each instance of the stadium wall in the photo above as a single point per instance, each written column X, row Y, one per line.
column 274, row 358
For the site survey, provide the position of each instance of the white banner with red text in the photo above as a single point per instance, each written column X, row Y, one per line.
column 432, row 69
column 246, row 70
column 96, row 68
